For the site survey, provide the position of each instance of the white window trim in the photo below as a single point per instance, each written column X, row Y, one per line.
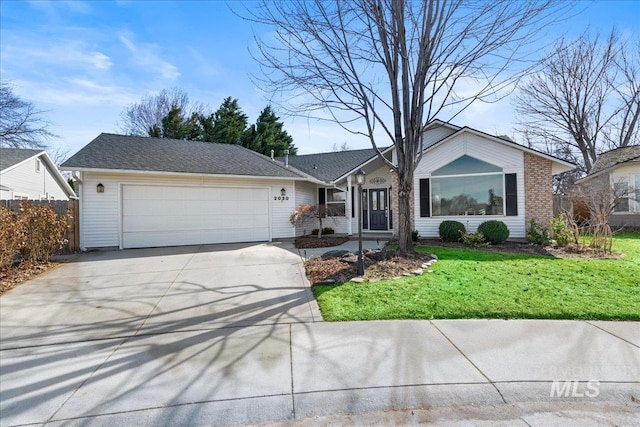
column 20, row 196
column 38, row 165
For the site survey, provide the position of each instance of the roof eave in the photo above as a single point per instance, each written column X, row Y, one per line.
column 366, row 162
column 502, row 141
column 145, row 172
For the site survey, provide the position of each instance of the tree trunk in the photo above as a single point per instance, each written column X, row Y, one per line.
column 405, row 243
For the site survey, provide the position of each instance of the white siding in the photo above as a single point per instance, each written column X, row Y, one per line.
column 306, row 193
column 101, row 212
column 24, row 179
column 511, row 160
column 435, row 134
column 281, row 210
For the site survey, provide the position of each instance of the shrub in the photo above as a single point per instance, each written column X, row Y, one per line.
column 474, row 239
column 450, row 231
column 314, row 232
column 495, row 232
column 415, row 235
column 561, row 232
column 328, row 230
column 10, row 236
column 42, row 232
column 537, row 234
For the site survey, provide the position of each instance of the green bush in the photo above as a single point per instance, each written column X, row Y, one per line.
column 474, row 239
column 560, row 230
column 494, row 232
column 537, row 234
column 451, row 231
column 325, row 230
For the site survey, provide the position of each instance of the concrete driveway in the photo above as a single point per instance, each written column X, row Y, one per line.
column 231, row 334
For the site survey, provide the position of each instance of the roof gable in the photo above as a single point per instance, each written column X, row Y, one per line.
column 10, row 157
column 139, row 153
column 329, row 167
column 615, row 157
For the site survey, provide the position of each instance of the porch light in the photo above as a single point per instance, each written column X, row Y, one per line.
column 100, row 188
column 283, row 192
column 360, row 179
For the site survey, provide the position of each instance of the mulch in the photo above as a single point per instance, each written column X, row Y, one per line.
column 16, row 275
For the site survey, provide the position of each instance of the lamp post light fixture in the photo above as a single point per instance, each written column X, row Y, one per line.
column 360, row 179
column 100, row 188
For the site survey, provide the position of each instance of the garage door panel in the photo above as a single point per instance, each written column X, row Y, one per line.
column 169, row 216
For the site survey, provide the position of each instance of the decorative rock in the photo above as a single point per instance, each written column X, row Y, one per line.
column 429, row 271
column 334, row 254
column 407, row 274
column 358, row 280
column 396, row 278
column 418, row 271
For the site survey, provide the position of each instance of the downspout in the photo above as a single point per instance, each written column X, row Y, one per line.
column 76, row 175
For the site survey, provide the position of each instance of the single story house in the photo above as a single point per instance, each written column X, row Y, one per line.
column 143, row 192
column 27, row 174
column 620, row 168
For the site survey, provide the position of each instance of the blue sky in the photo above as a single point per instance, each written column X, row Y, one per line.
column 84, row 62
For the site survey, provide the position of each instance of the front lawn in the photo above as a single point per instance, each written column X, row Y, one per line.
column 478, row 284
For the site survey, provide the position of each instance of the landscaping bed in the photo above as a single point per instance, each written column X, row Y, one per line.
column 13, row 276
column 306, row 242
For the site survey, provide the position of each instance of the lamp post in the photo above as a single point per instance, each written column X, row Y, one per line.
column 360, row 177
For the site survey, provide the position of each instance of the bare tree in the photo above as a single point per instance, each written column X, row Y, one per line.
column 142, row 117
column 396, row 65
column 584, row 100
column 21, row 125
column 344, row 147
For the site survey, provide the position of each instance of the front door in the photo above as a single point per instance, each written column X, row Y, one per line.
column 378, row 209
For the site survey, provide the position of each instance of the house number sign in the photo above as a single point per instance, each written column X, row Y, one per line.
column 281, row 198
column 378, row 180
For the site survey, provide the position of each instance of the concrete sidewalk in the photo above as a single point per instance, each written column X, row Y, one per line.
column 312, row 372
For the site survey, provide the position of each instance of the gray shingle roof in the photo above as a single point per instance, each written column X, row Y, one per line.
column 13, row 156
column 139, row 153
column 328, row 167
column 615, row 157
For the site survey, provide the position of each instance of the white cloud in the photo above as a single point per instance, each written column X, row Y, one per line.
column 71, row 53
column 144, row 55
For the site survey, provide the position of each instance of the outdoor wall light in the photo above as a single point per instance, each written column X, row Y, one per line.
column 360, row 177
column 100, row 188
column 283, row 192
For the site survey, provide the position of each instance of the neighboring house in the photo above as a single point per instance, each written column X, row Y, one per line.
column 27, row 174
column 141, row 192
column 621, row 168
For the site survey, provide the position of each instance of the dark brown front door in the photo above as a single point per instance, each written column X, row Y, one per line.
column 378, row 209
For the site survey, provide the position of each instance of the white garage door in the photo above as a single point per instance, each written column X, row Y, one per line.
column 170, row 216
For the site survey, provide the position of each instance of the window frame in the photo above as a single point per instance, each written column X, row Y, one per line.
column 503, row 195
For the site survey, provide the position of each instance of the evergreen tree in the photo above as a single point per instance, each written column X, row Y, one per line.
column 229, row 123
column 174, row 125
column 268, row 134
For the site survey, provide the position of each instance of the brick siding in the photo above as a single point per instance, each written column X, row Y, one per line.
column 538, row 190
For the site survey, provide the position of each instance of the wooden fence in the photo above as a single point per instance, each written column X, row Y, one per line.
column 60, row 207
column 562, row 204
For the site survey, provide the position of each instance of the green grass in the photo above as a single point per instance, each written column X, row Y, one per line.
column 477, row 284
